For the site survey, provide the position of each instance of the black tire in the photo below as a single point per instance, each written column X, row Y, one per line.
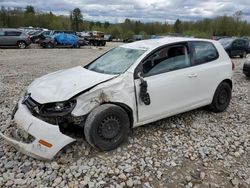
column 103, row 43
column 230, row 54
column 96, row 43
column 221, row 98
column 49, row 45
column 107, row 127
column 21, row 44
column 244, row 55
column 77, row 45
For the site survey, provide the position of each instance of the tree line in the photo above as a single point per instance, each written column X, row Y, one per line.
column 226, row 25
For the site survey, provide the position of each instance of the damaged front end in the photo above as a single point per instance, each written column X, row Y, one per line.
column 36, row 130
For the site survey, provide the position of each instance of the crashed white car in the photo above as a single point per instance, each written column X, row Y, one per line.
column 128, row 86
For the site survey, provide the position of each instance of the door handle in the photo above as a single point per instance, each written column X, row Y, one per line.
column 194, row 75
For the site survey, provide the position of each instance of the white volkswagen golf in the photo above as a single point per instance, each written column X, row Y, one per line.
column 128, row 86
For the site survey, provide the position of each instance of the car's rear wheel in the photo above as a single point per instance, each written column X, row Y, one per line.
column 221, row 98
column 21, row 44
column 244, row 55
column 106, row 127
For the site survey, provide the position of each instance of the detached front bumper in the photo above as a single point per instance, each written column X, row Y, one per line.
column 48, row 138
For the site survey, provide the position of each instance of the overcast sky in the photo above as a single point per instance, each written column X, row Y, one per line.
column 144, row 10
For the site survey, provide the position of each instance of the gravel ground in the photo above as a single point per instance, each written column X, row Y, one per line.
column 194, row 149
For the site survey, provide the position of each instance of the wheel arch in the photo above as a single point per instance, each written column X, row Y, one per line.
column 21, row 41
column 230, row 82
column 127, row 109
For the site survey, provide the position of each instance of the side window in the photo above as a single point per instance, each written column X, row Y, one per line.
column 12, row 33
column 204, row 52
column 1, row 33
column 167, row 59
column 46, row 33
column 241, row 43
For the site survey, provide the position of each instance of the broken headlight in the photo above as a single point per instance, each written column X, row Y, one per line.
column 58, row 109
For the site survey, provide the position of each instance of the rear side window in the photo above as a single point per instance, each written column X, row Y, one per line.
column 13, row 33
column 1, row 33
column 239, row 43
column 46, row 33
column 204, row 52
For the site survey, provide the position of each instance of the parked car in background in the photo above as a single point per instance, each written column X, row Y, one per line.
column 62, row 40
column 129, row 86
column 36, row 36
column 246, row 68
column 235, row 46
column 82, row 42
column 14, row 37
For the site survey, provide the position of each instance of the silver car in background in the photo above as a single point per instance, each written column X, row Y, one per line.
column 14, row 37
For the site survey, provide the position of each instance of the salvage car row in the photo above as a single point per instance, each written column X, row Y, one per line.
column 48, row 39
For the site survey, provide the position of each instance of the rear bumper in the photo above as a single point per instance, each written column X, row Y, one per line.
column 43, row 132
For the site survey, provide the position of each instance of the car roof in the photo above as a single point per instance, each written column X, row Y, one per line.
column 155, row 43
column 10, row 29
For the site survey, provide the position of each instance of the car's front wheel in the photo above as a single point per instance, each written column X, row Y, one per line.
column 49, row 45
column 222, row 97
column 21, row 44
column 106, row 127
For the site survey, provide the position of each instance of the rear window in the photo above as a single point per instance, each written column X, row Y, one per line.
column 13, row 33
column 204, row 52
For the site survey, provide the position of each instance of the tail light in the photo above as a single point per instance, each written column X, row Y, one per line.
column 233, row 65
column 29, row 37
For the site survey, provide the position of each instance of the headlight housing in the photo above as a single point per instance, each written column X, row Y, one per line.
column 58, row 108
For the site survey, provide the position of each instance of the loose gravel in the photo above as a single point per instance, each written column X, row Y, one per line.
column 194, row 149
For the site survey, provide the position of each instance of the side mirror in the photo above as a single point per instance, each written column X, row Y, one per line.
column 144, row 95
column 140, row 77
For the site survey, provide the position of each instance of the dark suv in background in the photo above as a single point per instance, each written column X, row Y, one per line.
column 235, row 46
column 14, row 37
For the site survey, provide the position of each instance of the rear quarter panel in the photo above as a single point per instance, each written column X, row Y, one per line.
column 223, row 67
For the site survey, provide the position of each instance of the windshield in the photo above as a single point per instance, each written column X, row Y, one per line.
column 116, row 61
column 226, row 41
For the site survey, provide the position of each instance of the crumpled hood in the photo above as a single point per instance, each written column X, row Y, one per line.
column 64, row 84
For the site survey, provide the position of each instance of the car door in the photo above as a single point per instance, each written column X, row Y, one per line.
column 170, row 83
column 12, row 37
column 234, row 48
column 238, row 47
column 242, row 46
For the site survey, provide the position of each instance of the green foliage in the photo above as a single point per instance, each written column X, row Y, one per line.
column 76, row 19
column 178, row 26
column 128, row 34
column 205, row 28
column 30, row 10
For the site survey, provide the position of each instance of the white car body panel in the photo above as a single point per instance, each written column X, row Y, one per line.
column 62, row 85
column 117, row 90
column 171, row 93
